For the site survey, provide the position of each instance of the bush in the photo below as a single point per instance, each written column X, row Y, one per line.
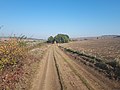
column 11, row 52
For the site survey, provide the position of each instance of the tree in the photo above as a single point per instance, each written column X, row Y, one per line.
column 50, row 39
column 61, row 38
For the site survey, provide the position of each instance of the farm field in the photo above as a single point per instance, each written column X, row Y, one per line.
column 48, row 67
column 108, row 49
column 102, row 55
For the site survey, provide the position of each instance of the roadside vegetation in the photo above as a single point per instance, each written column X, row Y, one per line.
column 17, row 63
column 12, row 52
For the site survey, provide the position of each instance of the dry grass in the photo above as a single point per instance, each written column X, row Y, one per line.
column 17, row 63
column 11, row 53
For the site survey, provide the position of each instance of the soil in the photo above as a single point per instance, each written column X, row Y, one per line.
column 57, row 71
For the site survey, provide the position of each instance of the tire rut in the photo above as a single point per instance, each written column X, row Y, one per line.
column 58, row 72
column 47, row 78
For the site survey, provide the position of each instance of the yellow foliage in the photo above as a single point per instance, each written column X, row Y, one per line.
column 11, row 52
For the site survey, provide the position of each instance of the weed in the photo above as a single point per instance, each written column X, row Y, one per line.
column 11, row 52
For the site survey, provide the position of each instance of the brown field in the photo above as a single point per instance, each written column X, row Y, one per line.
column 108, row 49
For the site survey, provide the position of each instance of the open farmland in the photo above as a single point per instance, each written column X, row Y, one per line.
column 60, row 45
column 47, row 67
column 102, row 55
column 58, row 71
column 108, row 49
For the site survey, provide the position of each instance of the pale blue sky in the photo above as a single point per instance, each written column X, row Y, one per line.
column 42, row 18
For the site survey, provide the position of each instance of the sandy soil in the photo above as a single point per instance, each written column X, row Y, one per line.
column 46, row 78
column 57, row 71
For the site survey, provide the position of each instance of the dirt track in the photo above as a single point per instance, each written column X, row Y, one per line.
column 58, row 72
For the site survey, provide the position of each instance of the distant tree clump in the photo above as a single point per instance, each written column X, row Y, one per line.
column 60, row 38
column 50, row 39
